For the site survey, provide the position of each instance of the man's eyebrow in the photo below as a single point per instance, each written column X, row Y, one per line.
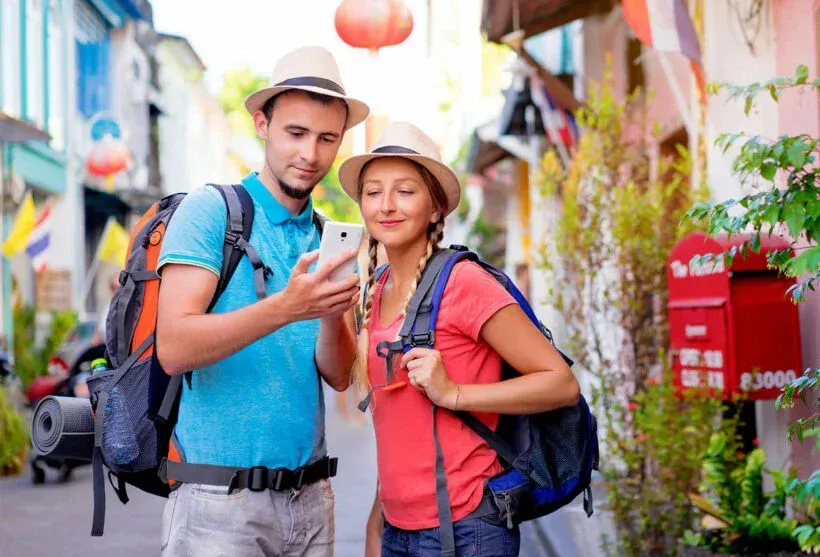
column 296, row 128
column 302, row 129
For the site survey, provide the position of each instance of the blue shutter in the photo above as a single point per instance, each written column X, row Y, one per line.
column 94, row 77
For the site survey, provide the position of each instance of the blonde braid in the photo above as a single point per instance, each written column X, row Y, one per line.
column 434, row 237
column 359, row 375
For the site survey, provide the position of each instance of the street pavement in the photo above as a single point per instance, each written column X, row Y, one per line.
column 55, row 519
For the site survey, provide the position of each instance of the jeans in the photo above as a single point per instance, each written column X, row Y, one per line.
column 473, row 537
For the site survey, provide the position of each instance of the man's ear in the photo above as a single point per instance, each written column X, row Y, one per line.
column 260, row 122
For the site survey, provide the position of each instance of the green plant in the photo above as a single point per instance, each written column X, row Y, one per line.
column 482, row 236
column 13, row 438
column 806, row 496
column 748, row 519
column 330, row 200
column 617, row 223
column 31, row 360
column 794, row 208
column 236, row 86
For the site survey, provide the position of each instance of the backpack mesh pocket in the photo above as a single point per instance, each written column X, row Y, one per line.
column 129, row 441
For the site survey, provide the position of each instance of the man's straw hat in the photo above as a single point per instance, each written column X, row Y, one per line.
column 310, row 68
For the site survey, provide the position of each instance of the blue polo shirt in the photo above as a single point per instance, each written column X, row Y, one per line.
column 262, row 406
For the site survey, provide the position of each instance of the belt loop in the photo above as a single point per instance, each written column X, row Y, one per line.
column 233, row 483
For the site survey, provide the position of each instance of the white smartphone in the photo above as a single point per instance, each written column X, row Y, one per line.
column 339, row 237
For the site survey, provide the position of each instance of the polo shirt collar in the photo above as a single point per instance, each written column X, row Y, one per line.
column 274, row 210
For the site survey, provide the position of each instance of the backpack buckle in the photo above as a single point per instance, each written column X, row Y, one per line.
column 422, row 339
column 235, row 240
column 258, row 478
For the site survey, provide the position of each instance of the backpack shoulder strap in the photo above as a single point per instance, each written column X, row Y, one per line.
column 319, row 222
column 237, row 235
column 422, row 312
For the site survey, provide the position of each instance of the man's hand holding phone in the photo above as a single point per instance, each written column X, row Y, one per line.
column 333, row 288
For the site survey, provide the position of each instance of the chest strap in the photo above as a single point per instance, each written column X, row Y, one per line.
column 258, row 478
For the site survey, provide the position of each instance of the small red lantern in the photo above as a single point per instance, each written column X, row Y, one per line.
column 108, row 157
column 373, row 24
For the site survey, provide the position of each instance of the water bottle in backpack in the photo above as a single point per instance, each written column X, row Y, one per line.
column 120, row 444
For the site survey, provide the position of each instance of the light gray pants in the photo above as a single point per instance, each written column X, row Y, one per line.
column 204, row 521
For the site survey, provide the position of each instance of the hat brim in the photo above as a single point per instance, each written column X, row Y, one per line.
column 351, row 169
column 357, row 110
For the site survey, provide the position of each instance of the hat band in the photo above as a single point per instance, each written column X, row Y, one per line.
column 395, row 149
column 319, row 82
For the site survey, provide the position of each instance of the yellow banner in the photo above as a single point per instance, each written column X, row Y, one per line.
column 21, row 228
column 113, row 244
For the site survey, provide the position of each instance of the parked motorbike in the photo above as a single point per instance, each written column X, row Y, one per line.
column 9, row 382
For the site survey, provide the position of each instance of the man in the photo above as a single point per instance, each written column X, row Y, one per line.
column 255, row 405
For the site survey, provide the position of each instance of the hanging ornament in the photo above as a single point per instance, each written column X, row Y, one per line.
column 373, row 24
column 108, row 157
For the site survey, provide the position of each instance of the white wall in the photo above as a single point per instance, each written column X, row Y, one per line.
column 195, row 134
column 727, row 58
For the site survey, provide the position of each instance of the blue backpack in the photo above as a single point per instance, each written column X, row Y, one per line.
column 548, row 458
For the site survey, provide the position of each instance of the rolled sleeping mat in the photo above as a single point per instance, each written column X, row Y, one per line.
column 63, row 427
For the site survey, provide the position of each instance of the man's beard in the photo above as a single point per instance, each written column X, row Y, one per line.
column 292, row 192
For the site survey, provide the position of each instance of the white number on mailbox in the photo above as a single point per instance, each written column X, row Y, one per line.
column 766, row 380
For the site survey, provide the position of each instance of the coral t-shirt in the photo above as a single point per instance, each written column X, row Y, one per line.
column 403, row 417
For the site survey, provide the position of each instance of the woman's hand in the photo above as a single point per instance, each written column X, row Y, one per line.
column 426, row 372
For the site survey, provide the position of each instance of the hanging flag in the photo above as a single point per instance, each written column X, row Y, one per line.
column 39, row 239
column 665, row 25
column 22, row 227
column 559, row 123
column 113, row 243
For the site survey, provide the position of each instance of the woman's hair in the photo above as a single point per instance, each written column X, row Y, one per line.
column 435, row 233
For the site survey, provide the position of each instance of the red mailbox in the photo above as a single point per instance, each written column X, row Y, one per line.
column 733, row 328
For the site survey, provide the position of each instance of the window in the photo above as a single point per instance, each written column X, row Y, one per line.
column 56, row 77
column 92, row 61
column 35, row 69
column 10, row 56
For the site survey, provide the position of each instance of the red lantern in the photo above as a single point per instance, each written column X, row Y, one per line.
column 108, row 157
column 373, row 24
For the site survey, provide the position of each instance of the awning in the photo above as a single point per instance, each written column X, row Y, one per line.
column 14, row 130
column 484, row 154
column 535, row 16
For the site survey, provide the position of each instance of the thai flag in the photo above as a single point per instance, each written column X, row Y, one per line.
column 559, row 123
column 665, row 25
column 37, row 247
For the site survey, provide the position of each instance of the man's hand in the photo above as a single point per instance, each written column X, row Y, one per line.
column 313, row 295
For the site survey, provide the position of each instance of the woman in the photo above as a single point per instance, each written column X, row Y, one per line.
column 404, row 193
